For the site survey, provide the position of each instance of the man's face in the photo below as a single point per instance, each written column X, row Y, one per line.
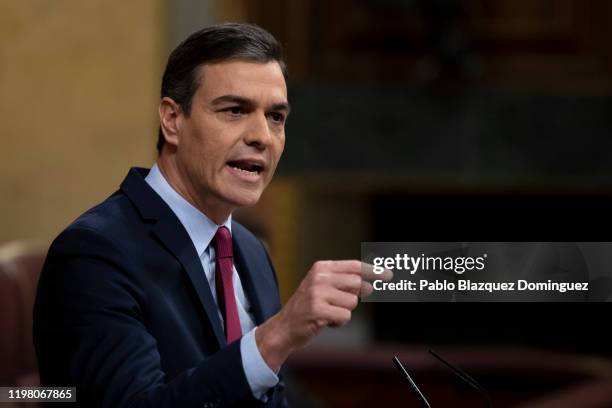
column 230, row 144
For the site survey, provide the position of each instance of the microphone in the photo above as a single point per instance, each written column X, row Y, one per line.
column 458, row 372
column 465, row 377
column 413, row 386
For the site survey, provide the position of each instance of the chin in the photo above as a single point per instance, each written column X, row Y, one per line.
column 244, row 198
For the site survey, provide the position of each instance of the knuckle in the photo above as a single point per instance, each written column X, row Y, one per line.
column 318, row 267
column 354, row 301
column 319, row 278
column 347, row 316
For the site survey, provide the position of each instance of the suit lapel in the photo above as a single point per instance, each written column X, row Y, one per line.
column 169, row 230
column 253, row 280
column 247, row 283
column 174, row 237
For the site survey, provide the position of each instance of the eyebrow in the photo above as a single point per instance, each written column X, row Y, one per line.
column 249, row 102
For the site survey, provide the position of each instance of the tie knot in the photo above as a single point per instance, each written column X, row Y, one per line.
column 223, row 243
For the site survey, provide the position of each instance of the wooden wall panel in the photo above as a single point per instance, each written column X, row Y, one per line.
column 79, row 95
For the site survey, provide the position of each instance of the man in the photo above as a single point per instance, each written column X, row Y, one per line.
column 155, row 297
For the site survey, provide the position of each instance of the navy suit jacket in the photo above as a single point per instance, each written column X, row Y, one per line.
column 124, row 312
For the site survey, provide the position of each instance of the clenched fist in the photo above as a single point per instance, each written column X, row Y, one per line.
column 326, row 297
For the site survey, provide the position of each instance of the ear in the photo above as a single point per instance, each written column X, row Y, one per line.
column 169, row 119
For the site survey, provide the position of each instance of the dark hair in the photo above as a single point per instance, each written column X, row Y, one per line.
column 212, row 44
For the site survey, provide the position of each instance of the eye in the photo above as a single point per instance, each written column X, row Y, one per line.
column 277, row 117
column 234, row 110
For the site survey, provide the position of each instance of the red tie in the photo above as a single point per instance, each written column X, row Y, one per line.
column 223, row 282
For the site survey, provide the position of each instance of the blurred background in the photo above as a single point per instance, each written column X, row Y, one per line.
column 412, row 120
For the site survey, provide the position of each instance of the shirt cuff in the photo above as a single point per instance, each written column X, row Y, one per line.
column 259, row 376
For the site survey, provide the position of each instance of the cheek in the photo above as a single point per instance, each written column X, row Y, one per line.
column 280, row 144
column 276, row 153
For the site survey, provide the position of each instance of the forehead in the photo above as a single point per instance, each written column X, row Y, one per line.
column 243, row 78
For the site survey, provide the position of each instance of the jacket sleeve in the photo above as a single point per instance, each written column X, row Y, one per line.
column 90, row 332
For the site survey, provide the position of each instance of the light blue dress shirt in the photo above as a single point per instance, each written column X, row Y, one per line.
column 201, row 230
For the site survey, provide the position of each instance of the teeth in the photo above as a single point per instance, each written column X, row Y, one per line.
column 245, row 171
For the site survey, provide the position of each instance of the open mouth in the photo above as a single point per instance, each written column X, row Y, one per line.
column 246, row 166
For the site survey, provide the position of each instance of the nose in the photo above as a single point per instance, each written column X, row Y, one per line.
column 258, row 133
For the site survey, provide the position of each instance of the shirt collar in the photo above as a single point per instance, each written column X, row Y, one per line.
column 200, row 228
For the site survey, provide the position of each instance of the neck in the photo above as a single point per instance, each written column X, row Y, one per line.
column 207, row 204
